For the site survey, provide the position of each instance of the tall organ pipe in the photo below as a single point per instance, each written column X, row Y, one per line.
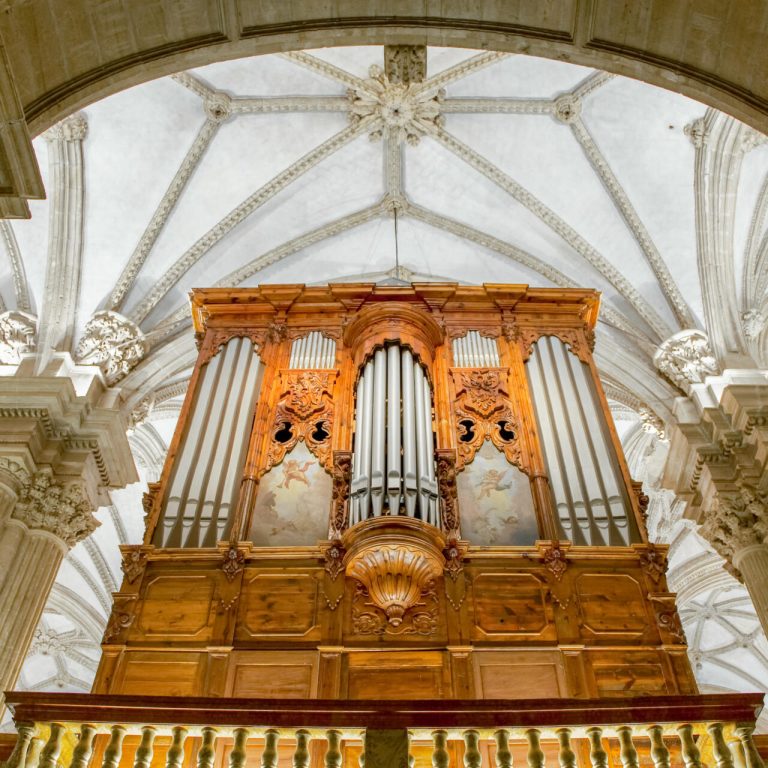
column 393, row 460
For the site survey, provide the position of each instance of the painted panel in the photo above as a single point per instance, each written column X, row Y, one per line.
column 495, row 501
column 293, row 502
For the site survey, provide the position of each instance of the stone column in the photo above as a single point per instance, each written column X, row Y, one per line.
column 47, row 519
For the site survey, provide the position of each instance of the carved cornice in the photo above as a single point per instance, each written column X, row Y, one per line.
column 62, row 510
column 112, row 342
column 686, row 358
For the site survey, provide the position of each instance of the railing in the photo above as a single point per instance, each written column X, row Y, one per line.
column 79, row 730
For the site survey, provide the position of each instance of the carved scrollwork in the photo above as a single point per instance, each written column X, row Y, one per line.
column 121, row 618
column 216, row 338
column 484, row 412
column 134, row 562
column 668, row 618
column 654, row 563
column 581, row 341
column 304, row 412
column 369, row 619
column 342, row 476
column 447, row 490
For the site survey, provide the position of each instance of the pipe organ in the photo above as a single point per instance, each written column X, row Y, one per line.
column 408, row 491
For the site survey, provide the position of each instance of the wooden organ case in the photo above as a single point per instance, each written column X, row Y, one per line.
column 405, row 492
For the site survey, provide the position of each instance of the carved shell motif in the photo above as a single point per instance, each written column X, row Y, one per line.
column 395, row 577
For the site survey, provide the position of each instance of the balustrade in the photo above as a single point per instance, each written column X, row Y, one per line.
column 137, row 732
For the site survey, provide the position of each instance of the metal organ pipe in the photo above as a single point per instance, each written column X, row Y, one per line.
column 393, row 459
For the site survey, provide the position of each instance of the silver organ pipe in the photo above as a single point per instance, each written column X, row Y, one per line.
column 315, row 350
column 591, row 500
column 393, row 458
column 475, row 351
column 203, row 488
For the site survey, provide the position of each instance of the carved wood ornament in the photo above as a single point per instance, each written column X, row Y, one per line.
column 304, row 412
column 342, row 476
column 581, row 341
column 483, row 412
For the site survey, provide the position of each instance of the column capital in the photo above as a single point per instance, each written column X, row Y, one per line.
column 738, row 521
column 72, row 128
column 61, row 509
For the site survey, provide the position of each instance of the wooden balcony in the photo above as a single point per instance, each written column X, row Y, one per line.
column 81, row 730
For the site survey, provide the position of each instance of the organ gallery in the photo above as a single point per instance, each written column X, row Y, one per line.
column 405, row 492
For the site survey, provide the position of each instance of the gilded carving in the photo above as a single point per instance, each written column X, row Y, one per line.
column 304, row 412
column 483, row 412
column 342, row 476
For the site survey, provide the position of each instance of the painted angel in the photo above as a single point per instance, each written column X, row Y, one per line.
column 293, row 471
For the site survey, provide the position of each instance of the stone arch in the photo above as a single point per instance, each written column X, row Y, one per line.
column 719, row 57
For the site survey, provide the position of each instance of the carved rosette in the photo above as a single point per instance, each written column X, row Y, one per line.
column 304, row 412
column 686, row 358
column 397, row 560
column 62, row 510
column 484, row 412
column 114, row 343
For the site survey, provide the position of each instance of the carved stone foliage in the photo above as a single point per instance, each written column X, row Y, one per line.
column 484, row 412
column 369, row 619
column 342, row 476
column 739, row 520
column 304, row 412
column 405, row 63
column 17, row 335
column 580, row 341
column 114, row 343
column 62, row 510
column 686, row 358
column 404, row 111
column 448, row 492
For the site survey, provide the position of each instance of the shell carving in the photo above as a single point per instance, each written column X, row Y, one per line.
column 395, row 578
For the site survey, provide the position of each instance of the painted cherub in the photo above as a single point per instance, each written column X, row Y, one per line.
column 292, row 471
column 491, row 481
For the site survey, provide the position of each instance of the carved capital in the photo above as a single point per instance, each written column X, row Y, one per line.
column 72, row 128
column 739, row 520
column 697, row 132
column 60, row 509
column 114, row 343
column 686, row 358
column 17, row 335
column 405, row 63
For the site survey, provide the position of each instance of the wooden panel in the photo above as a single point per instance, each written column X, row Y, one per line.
column 627, row 673
column 158, row 673
column 509, row 604
column 518, row 674
column 282, row 604
column 273, row 674
column 405, row 675
column 611, row 604
column 177, row 606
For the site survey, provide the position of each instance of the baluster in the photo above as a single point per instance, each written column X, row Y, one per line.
column 301, row 755
column 114, row 749
column 361, row 759
column 440, row 757
column 237, row 755
column 84, row 747
column 535, row 753
column 146, row 748
column 472, row 756
column 333, row 753
column 503, row 755
column 206, row 753
column 720, row 748
column 628, row 753
column 659, row 751
column 751, row 755
column 33, row 753
column 269, row 755
column 175, row 755
column 566, row 756
column 597, row 754
column 411, row 758
column 50, row 755
column 737, row 752
column 691, row 754
column 19, row 755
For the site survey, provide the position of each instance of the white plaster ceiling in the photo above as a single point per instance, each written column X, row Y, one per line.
column 502, row 191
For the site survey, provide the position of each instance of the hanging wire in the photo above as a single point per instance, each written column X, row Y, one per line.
column 397, row 248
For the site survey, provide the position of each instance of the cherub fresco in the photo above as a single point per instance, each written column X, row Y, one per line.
column 491, row 481
column 292, row 471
